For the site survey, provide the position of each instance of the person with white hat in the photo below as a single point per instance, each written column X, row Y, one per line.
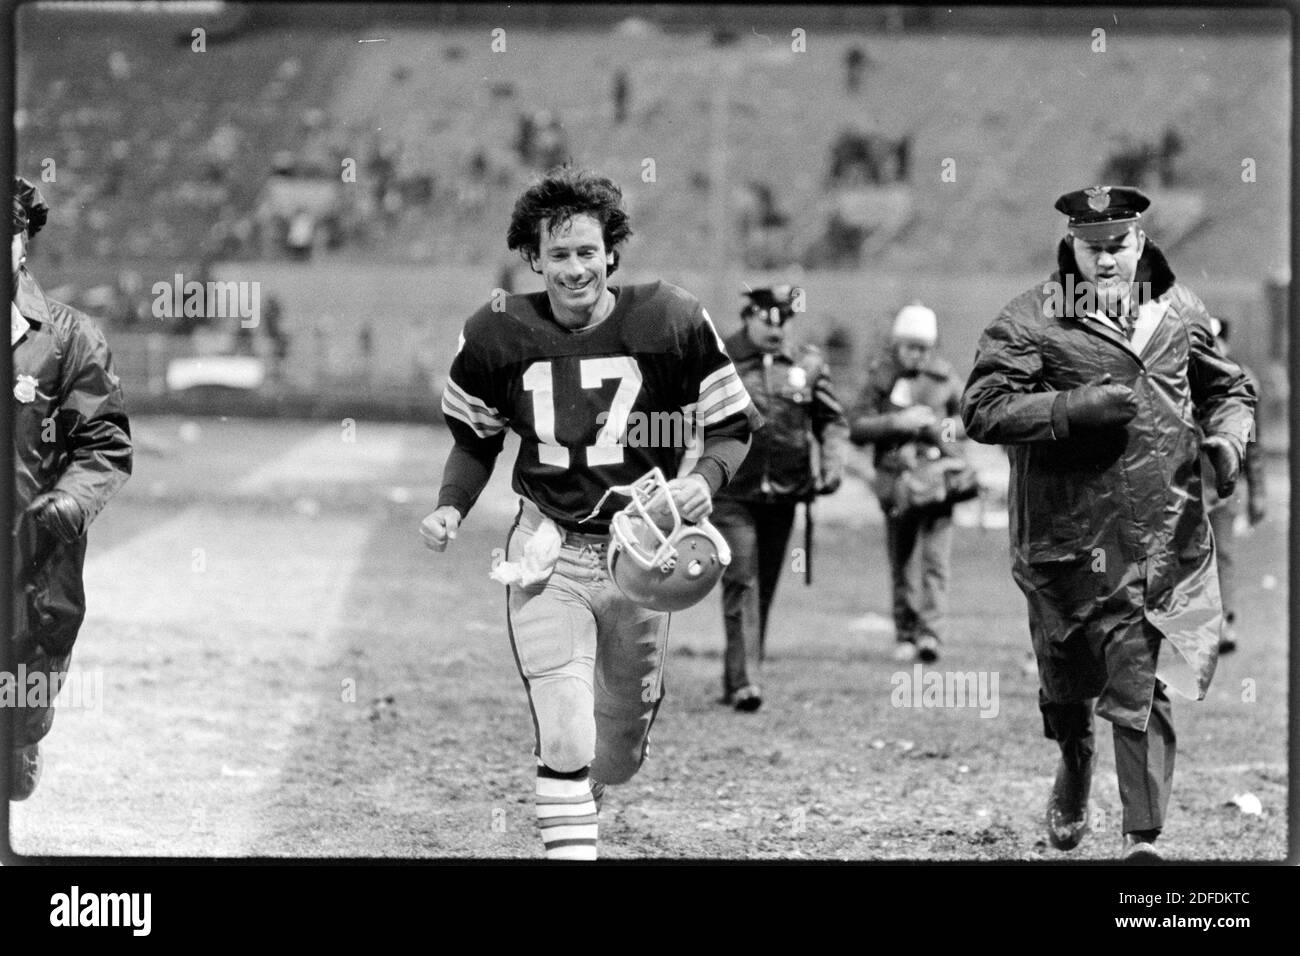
column 909, row 412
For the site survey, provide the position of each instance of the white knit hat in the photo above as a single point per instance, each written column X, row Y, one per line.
column 916, row 323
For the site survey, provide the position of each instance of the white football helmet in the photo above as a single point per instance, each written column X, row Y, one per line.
column 657, row 559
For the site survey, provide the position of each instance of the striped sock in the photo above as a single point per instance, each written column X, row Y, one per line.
column 566, row 813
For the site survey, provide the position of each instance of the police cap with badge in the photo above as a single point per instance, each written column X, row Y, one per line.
column 772, row 304
column 30, row 211
column 1102, row 212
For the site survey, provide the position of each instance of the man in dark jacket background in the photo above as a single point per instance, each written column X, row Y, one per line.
column 798, row 454
column 72, row 452
column 909, row 410
column 1098, row 380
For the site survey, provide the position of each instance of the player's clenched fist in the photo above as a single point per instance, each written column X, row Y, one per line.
column 439, row 527
column 692, row 497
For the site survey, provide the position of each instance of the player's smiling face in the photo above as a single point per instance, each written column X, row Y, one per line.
column 574, row 262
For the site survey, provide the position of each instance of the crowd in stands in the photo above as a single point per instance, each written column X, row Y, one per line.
column 250, row 163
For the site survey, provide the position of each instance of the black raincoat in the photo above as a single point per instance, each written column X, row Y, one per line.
column 1108, row 526
column 70, row 433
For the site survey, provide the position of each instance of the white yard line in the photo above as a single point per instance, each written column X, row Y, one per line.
column 174, row 762
column 360, row 452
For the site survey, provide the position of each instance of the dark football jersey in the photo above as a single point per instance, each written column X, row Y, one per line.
column 595, row 407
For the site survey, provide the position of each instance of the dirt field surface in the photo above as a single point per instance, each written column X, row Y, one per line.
column 273, row 665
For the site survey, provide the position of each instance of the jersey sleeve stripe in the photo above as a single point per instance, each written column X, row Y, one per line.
column 469, row 401
column 719, row 374
column 479, row 429
column 724, row 391
column 720, row 389
column 471, row 413
column 732, row 404
column 484, row 425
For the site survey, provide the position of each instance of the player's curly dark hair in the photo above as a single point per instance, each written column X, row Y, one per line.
column 564, row 192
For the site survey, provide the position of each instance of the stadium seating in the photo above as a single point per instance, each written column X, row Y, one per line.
column 143, row 164
column 164, row 155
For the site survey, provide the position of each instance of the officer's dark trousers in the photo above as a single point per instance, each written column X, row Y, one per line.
column 1144, row 760
column 36, row 682
column 919, row 611
column 758, row 534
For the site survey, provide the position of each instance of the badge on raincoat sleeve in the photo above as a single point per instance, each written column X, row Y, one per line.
column 25, row 389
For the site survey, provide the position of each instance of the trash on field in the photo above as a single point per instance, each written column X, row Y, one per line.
column 904, row 745
column 1268, row 582
column 994, row 519
column 872, row 622
column 877, row 744
column 399, row 495
column 307, row 506
column 190, row 432
column 1247, row 803
column 383, row 708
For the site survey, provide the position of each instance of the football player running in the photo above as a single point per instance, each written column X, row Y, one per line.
column 567, row 370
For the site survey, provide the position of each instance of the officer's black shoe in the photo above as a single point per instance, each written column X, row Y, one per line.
column 1067, row 806
column 1228, row 634
column 747, row 699
column 26, row 771
column 1227, row 639
column 1140, row 848
column 927, row 649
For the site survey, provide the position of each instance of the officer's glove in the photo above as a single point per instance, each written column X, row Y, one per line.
column 57, row 513
column 1100, row 404
column 1226, row 461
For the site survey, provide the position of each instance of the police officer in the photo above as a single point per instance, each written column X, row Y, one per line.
column 796, row 456
column 72, row 452
column 1098, row 380
column 909, row 410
